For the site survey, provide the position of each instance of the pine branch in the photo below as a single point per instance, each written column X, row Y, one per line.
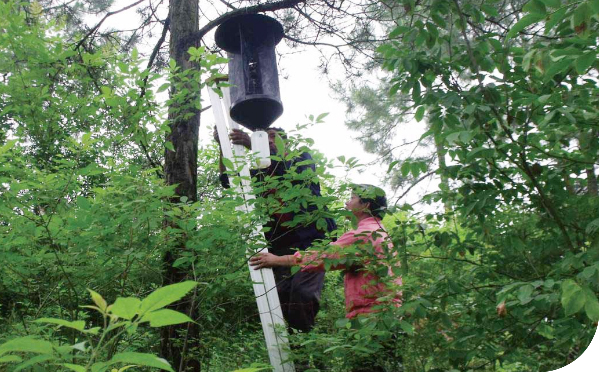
column 269, row 7
column 109, row 14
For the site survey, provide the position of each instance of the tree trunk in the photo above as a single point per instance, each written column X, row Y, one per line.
column 181, row 170
column 441, row 157
column 181, row 164
column 592, row 182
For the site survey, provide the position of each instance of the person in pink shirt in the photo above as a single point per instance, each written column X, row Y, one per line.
column 358, row 252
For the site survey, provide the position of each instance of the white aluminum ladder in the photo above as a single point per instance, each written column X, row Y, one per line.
column 265, row 291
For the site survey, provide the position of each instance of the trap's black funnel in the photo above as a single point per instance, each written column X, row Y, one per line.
column 250, row 41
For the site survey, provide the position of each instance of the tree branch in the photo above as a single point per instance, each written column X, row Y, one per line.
column 155, row 53
column 415, row 183
column 270, row 7
column 95, row 28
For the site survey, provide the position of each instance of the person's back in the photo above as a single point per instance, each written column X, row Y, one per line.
column 363, row 288
column 288, row 233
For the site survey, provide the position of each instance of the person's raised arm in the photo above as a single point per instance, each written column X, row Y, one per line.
column 237, row 137
column 216, row 138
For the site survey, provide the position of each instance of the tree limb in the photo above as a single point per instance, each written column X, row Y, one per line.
column 155, row 53
column 270, row 7
column 415, row 183
column 95, row 28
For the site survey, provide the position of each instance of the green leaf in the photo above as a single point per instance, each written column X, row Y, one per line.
column 169, row 146
column 405, row 168
column 453, row 137
column 585, row 61
column 545, row 331
column 595, row 6
column 557, row 68
column 80, row 346
column 524, row 294
column 74, row 367
column 419, row 114
column 489, row 10
column 394, row 89
column 407, row 327
column 165, row 317
column 416, row 92
column 556, row 18
column 141, row 359
column 552, row 3
column 78, row 324
column 92, row 331
column 536, row 7
column 321, row 117
column 524, row 22
column 415, row 169
column 228, row 164
column 106, row 91
column 165, row 296
column 99, row 367
column 10, row 359
column 591, row 308
column 543, row 99
column 26, row 345
column 341, row 323
column 466, row 136
column 125, row 308
column 438, row 20
column 591, row 304
column 35, row 360
column 528, row 58
column 163, row 87
column 9, row 145
column 98, row 300
column 572, row 297
column 280, row 145
column 581, row 17
column 397, row 31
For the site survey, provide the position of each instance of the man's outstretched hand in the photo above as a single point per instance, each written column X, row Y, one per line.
column 237, row 137
column 266, row 260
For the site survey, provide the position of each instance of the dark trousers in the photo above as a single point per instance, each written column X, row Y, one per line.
column 299, row 295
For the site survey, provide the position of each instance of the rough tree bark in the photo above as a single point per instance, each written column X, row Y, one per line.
column 181, row 165
column 181, row 169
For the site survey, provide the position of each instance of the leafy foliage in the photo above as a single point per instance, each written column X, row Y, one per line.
column 511, row 102
column 122, row 317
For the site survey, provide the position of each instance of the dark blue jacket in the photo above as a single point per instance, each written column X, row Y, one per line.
column 285, row 239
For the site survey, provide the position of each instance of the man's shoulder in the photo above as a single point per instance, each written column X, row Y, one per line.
column 303, row 156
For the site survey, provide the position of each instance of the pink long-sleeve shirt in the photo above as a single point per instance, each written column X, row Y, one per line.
column 361, row 288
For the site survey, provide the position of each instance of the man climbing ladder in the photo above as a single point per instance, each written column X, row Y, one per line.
column 263, row 282
column 300, row 293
